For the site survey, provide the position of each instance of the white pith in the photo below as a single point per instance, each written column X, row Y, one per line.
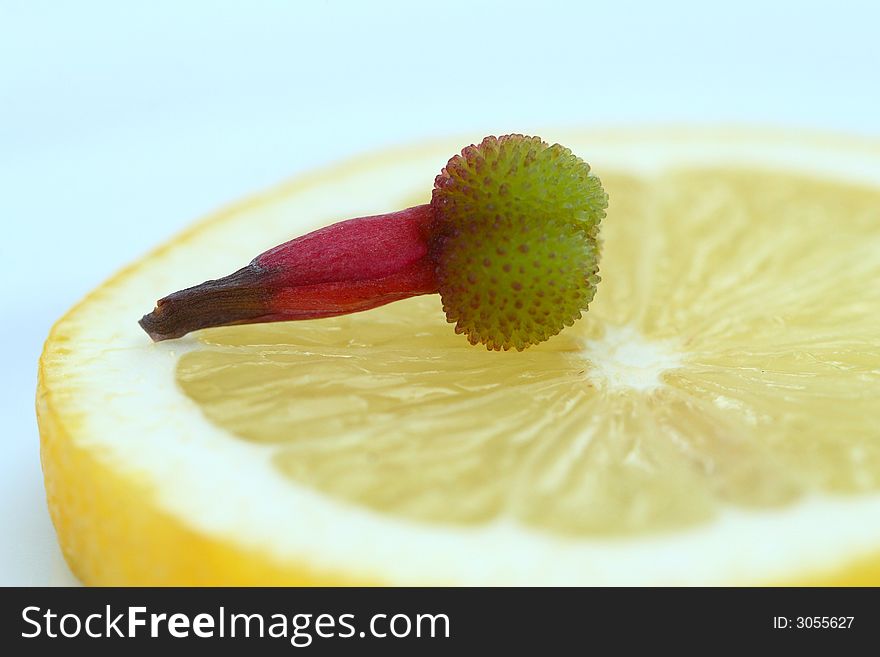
column 623, row 359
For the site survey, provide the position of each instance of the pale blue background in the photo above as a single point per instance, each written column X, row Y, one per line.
column 122, row 121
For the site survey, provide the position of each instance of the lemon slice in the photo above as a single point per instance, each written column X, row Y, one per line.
column 711, row 420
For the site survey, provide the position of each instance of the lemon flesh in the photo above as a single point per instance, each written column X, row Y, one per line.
column 711, row 419
column 728, row 361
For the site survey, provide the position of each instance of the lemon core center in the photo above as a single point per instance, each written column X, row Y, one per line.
column 624, row 359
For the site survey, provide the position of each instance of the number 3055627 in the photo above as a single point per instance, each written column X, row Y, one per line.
column 824, row 622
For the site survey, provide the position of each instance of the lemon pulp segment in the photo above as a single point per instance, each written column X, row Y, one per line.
column 730, row 360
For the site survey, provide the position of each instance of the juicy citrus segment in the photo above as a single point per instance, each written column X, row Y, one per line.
column 746, row 406
column 710, row 420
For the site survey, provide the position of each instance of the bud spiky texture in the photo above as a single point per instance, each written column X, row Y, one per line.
column 516, row 240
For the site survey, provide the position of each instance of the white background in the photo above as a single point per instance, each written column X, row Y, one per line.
column 120, row 122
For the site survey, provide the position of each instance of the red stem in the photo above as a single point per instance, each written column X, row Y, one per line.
column 347, row 267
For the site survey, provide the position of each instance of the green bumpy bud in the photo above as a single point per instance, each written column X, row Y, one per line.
column 516, row 240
